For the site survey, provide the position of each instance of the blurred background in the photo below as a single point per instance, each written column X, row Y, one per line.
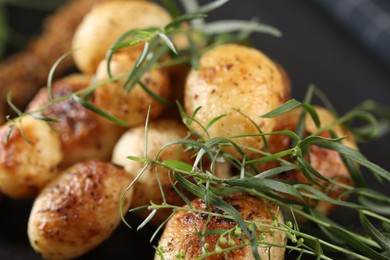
column 342, row 46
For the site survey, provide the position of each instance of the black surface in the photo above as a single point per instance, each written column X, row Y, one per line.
column 313, row 49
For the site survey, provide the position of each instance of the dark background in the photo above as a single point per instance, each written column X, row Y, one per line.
column 315, row 48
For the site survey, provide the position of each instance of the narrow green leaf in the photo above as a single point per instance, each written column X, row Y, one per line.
column 9, row 132
column 178, row 165
column 355, row 156
column 168, row 42
column 374, row 233
column 300, row 128
column 155, row 96
column 52, row 71
column 264, row 185
column 212, row 6
column 138, row 159
column 275, row 171
column 271, row 157
column 182, row 19
column 136, row 74
column 147, row 219
column 323, row 196
column 356, row 244
column 284, row 108
column 45, row 118
column 143, row 54
column 138, row 209
column 225, row 26
column 380, row 208
column 98, row 111
column 11, row 104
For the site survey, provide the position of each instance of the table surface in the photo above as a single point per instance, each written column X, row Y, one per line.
column 314, row 49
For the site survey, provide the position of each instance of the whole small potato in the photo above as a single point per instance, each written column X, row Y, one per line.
column 78, row 210
column 146, row 189
column 235, row 82
column 29, row 159
column 106, row 22
column 325, row 161
column 182, row 234
column 130, row 107
column 84, row 134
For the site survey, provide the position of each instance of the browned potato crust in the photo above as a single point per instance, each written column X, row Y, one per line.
column 78, row 210
column 30, row 158
column 84, row 134
column 181, row 232
column 234, row 79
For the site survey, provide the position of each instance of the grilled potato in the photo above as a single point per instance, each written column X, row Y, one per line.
column 182, row 232
column 30, row 157
column 238, row 83
column 146, row 189
column 325, row 161
column 84, row 135
column 78, row 210
column 131, row 107
column 106, row 22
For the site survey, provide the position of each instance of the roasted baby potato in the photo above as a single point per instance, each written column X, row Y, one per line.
column 146, row 189
column 130, row 107
column 30, row 157
column 84, row 134
column 182, row 234
column 78, row 210
column 240, row 84
column 106, row 22
column 325, row 161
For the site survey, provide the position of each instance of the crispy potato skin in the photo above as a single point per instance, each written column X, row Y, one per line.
column 146, row 188
column 131, row 107
column 106, row 22
column 181, row 230
column 29, row 162
column 325, row 161
column 78, row 210
column 84, row 134
column 233, row 79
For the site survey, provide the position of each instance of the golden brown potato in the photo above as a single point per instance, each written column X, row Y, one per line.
column 181, row 232
column 234, row 78
column 106, row 22
column 78, row 210
column 131, row 107
column 30, row 158
column 146, row 189
column 84, row 134
column 325, row 161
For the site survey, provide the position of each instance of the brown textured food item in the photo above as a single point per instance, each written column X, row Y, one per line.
column 325, row 161
column 106, row 23
column 231, row 80
column 25, row 72
column 29, row 159
column 78, row 210
column 181, row 233
column 131, row 107
column 83, row 133
column 146, row 189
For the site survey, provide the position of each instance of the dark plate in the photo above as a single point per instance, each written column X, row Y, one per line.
column 313, row 49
